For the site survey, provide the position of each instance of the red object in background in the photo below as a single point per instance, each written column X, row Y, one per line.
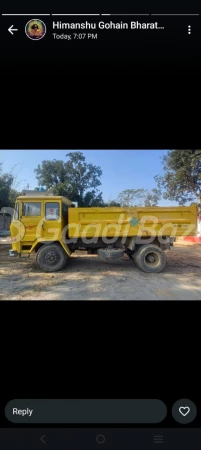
column 51, row 211
column 199, row 218
column 196, row 239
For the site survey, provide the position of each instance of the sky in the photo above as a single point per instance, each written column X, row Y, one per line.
column 122, row 169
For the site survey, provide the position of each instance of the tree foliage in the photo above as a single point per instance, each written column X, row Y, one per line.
column 7, row 193
column 131, row 197
column 182, row 176
column 139, row 197
column 75, row 179
column 111, row 203
column 152, row 197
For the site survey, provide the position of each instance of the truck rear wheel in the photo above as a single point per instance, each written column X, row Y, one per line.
column 150, row 258
column 51, row 258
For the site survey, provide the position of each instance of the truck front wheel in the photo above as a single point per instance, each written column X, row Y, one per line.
column 51, row 258
column 150, row 258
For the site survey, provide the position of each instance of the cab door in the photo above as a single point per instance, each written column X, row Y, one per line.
column 31, row 215
column 52, row 221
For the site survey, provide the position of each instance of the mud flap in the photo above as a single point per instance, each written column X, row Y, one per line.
column 132, row 243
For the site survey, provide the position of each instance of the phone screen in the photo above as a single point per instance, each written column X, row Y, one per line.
column 100, row 291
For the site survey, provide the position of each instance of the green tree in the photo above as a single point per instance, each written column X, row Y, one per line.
column 13, row 194
column 131, row 197
column 51, row 174
column 139, row 197
column 75, row 179
column 111, row 203
column 114, row 203
column 6, row 181
column 182, row 176
column 7, row 193
column 152, row 197
column 91, row 199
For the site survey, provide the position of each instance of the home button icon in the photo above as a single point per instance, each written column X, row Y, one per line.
column 100, row 439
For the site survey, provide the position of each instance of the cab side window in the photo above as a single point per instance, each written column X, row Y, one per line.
column 52, row 211
column 31, row 209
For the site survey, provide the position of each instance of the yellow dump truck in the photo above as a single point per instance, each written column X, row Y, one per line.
column 52, row 228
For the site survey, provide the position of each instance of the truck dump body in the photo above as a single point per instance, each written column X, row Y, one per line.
column 138, row 221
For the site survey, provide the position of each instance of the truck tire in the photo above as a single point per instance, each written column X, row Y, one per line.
column 113, row 253
column 150, row 258
column 51, row 258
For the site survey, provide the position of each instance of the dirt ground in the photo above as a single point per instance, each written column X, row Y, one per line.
column 86, row 277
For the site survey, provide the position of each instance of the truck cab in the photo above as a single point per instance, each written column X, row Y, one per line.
column 37, row 219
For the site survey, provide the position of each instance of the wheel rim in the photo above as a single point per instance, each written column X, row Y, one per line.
column 152, row 259
column 51, row 258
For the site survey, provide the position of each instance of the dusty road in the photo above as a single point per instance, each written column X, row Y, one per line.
column 86, row 277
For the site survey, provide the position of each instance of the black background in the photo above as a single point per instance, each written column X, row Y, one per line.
column 134, row 53
column 102, row 350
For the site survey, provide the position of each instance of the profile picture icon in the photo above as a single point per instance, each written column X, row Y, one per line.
column 35, row 29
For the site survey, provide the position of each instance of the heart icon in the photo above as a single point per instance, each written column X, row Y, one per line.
column 184, row 410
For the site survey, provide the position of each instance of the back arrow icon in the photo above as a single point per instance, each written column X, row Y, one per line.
column 42, row 439
column 11, row 29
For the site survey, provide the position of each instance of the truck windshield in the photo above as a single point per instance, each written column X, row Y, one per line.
column 31, row 209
